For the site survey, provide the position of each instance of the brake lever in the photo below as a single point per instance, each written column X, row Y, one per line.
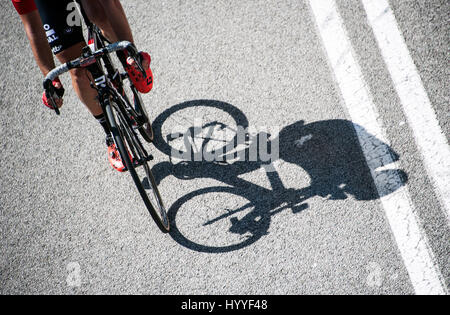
column 50, row 92
column 55, row 107
column 52, row 102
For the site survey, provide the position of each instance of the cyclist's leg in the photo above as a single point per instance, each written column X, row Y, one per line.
column 110, row 17
column 81, row 84
column 67, row 42
column 80, row 79
column 117, row 14
column 102, row 12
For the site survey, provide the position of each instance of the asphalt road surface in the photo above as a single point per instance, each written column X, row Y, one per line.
column 354, row 95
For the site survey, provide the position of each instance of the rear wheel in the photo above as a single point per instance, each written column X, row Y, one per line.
column 128, row 144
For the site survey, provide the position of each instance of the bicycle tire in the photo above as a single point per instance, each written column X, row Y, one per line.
column 139, row 151
column 146, row 130
column 162, row 223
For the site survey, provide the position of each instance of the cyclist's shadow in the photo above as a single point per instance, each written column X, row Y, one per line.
column 329, row 151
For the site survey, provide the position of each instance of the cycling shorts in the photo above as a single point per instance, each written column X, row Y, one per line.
column 61, row 21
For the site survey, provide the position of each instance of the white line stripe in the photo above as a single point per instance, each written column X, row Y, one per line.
column 416, row 104
column 412, row 244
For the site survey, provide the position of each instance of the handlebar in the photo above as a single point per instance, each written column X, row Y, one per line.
column 84, row 62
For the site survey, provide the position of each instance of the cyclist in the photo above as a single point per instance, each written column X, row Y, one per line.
column 47, row 28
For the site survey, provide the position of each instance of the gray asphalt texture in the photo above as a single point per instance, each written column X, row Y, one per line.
column 70, row 224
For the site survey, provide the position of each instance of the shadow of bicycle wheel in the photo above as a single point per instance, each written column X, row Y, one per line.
column 329, row 151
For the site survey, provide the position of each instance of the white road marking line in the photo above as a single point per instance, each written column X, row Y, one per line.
column 411, row 242
column 417, row 107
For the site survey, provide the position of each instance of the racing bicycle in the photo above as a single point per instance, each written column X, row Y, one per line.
column 127, row 120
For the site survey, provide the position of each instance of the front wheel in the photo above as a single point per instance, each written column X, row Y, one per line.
column 146, row 130
column 128, row 145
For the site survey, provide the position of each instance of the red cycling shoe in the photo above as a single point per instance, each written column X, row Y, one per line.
column 114, row 156
column 143, row 85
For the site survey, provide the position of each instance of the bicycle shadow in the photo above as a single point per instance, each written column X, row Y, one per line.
column 329, row 151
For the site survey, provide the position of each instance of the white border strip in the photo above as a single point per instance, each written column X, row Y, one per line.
column 411, row 242
column 416, row 104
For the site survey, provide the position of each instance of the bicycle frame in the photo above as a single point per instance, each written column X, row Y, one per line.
column 96, row 41
column 102, row 82
column 105, row 84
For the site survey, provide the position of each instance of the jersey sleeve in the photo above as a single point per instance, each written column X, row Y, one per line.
column 24, row 6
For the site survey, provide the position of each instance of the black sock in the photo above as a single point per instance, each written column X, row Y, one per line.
column 102, row 121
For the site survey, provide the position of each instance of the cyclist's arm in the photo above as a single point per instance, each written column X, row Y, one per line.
column 38, row 40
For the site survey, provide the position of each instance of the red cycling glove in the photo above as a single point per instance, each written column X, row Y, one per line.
column 58, row 93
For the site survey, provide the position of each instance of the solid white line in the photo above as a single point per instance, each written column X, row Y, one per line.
column 411, row 242
column 416, row 105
